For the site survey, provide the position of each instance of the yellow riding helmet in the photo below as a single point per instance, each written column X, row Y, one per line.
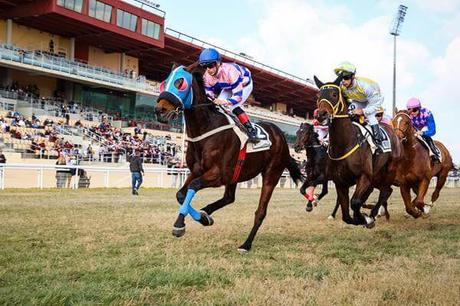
column 380, row 110
column 345, row 68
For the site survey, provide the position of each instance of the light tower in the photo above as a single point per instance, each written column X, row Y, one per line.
column 395, row 31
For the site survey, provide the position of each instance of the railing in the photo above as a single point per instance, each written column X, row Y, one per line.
column 147, row 6
column 75, row 68
column 22, row 176
column 274, row 116
column 240, row 57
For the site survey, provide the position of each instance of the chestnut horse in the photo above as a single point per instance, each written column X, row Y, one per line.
column 352, row 161
column 417, row 168
column 214, row 154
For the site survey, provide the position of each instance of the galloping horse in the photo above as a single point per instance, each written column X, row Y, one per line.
column 316, row 166
column 416, row 169
column 352, row 161
column 214, row 155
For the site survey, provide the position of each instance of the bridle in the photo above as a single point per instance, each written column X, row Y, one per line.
column 397, row 128
column 337, row 109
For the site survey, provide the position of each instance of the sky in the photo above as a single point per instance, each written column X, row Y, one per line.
column 307, row 38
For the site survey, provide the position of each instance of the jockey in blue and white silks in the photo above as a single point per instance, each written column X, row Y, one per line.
column 423, row 120
column 233, row 85
column 365, row 95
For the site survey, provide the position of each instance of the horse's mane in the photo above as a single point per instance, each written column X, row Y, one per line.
column 197, row 73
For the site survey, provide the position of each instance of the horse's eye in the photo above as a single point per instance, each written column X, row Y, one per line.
column 180, row 84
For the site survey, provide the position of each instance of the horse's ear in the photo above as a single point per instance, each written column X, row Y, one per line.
column 318, row 83
column 191, row 67
column 338, row 80
column 174, row 66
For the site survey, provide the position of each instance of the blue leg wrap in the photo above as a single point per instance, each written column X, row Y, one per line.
column 187, row 208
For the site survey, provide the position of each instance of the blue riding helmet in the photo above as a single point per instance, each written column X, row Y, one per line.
column 178, row 93
column 209, row 55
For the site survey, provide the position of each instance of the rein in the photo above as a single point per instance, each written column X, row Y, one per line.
column 339, row 107
column 397, row 128
column 336, row 110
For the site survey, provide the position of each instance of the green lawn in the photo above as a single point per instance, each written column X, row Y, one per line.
column 108, row 247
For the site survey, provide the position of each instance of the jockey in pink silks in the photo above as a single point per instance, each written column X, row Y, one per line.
column 228, row 85
column 423, row 121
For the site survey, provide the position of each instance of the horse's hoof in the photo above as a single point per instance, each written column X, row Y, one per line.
column 427, row 208
column 370, row 222
column 331, row 217
column 242, row 250
column 206, row 219
column 309, row 207
column 178, row 231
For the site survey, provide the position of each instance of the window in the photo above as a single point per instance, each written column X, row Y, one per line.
column 100, row 10
column 74, row 5
column 126, row 20
column 150, row 29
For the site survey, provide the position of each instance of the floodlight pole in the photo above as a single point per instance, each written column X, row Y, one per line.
column 395, row 30
column 394, row 76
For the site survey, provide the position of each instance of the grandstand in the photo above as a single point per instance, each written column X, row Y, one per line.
column 81, row 78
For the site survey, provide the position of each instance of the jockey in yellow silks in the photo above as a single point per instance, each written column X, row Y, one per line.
column 364, row 94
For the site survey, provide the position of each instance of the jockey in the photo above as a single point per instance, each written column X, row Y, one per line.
column 423, row 121
column 365, row 95
column 321, row 129
column 234, row 83
column 383, row 118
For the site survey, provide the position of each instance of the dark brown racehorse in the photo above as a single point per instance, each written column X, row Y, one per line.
column 352, row 161
column 417, row 168
column 316, row 166
column 212, row 159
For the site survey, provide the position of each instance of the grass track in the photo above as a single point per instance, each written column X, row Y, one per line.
column 107, row 247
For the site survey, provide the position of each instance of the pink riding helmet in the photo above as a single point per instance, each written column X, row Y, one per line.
column 413, row 103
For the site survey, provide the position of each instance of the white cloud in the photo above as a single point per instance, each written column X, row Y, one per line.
column 306, row 39
column 441, row 96
column 314, row 39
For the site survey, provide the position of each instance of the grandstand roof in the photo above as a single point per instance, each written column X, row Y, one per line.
column 155, row 56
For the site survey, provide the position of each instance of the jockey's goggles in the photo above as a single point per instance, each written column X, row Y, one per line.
column 347, row 77
column 414, row 110
column 208, row 65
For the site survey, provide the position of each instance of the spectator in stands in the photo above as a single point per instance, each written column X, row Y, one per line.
column 51, row 46
column 2, row 157
column 90, row 152
column 137, row 171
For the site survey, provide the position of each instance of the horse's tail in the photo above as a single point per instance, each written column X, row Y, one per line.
column 294, row 170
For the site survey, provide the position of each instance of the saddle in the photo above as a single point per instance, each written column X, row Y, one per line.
column 240, row 131
column 369, row 136
column 427, row 146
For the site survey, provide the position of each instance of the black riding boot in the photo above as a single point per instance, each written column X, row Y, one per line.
column 252, row 132
column 378, row 137
column 430, row 142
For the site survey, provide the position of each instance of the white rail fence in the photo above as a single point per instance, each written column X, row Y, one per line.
column 46, row 176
